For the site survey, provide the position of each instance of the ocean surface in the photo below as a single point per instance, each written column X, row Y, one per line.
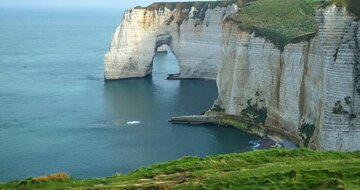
column 58, row 114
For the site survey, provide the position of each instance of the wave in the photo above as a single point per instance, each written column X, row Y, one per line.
column 133, row 122
column 255, row 144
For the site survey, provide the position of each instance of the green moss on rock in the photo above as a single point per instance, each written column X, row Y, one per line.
column 307, row 131
column 338, row 109
column 259, row 114
column 217, row 108
column 347, row 100
column 352, row 116
column 234, row 123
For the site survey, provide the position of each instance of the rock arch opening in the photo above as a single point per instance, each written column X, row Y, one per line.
column 165, row 61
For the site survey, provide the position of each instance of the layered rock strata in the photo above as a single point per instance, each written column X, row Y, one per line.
column 309, row 91
column 193, row 35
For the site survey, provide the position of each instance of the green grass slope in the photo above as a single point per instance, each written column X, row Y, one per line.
column 280, row 21
column 286, row 21
column 263, row 169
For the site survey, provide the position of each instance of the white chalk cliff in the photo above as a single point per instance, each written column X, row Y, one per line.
column 195, row 40
column 310, row 90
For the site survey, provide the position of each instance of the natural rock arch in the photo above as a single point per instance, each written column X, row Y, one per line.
column 164, row 45
column 143, row 30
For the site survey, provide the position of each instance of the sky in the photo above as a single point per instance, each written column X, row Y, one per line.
column 78, row 3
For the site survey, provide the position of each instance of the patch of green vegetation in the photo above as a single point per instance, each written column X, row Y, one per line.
column 253, row 111
column 338, row 109
column 262, row 169
column 347, row 100
column 280, row 21
column 307, row 131
column 352, row 116
column 217, row 108
column 234, row 123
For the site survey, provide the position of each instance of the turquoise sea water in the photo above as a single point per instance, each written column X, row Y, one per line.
column 58, row 114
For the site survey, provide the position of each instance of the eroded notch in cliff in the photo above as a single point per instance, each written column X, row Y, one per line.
column 357, row 59
column 163, row 51
column 278, row 83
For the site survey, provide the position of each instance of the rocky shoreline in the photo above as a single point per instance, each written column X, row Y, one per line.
column 272, row 137
column 299, row 79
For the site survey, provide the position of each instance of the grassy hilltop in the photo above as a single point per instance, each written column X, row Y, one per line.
column 263, row 169
column 286, row 21
column 280, row 21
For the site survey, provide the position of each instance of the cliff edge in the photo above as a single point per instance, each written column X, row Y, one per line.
column 289, row 66
column 267, row 169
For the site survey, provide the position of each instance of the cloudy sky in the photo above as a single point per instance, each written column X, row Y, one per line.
column 77, row 3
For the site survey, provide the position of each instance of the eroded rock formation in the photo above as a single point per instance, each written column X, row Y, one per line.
column 310, row 90
column 194, row 36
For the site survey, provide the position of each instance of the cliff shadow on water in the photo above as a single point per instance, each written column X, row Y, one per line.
column 147, row 103
column 57, row 113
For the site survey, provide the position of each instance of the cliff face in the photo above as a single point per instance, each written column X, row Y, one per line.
column 194, row 35
column 309, row 90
